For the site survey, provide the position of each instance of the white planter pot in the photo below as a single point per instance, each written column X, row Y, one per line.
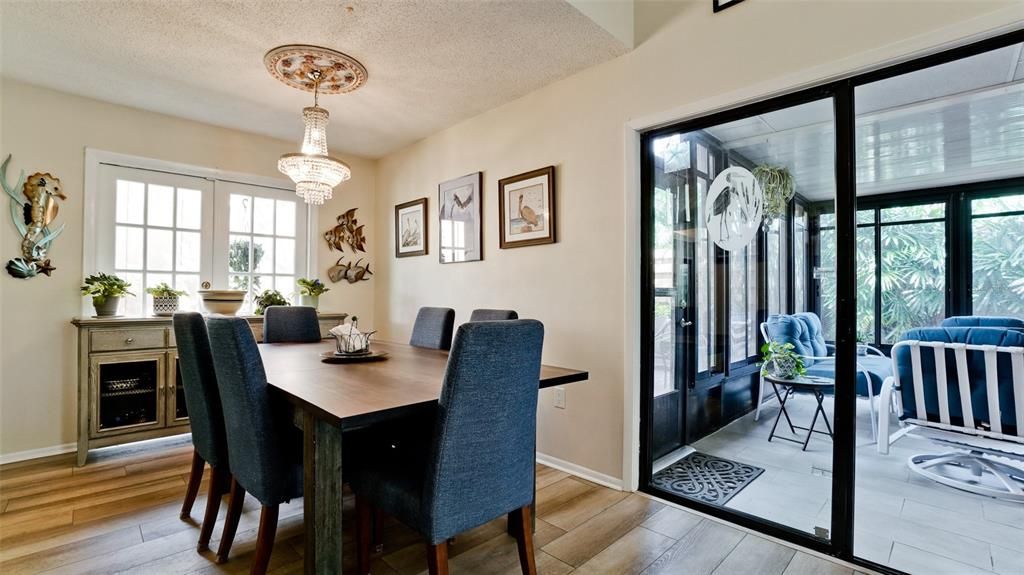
column 164, row 306
column 312, row 301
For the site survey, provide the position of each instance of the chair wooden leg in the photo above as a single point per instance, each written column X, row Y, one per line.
column 524, row 539
column 213, row 496
column 364, row 534
column 265, row 540
column 195, row 477
column 437, row 558
column 231, row 522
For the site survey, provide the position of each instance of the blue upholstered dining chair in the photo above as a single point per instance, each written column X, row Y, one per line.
column 804, row 331
column 964, row 387
column 285, row 323
column 493, row 315
column 202, row 400
column 264, row 446
column 478, row 463
column 433, row 328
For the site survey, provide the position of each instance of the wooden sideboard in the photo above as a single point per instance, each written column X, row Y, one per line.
column 129, row 386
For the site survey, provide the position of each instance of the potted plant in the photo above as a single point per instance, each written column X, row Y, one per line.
column 310, row 291
column 106, row 291
column 779, row 360
column 268, row 298
column 778, row 189
column 165, row 298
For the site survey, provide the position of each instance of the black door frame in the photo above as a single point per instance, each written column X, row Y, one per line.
column 841, row 543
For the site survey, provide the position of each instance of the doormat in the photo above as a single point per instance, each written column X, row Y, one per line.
column 706, row 478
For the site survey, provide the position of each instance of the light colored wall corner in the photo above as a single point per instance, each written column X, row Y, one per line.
column 48, row 131
column 582, row 472
column 615, row 16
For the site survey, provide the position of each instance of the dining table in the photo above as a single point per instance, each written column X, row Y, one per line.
column 329, row 398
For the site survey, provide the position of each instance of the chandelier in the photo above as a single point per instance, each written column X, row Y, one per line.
column 316, row 70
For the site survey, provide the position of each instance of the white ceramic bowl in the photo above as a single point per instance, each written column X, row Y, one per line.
column 222, row 301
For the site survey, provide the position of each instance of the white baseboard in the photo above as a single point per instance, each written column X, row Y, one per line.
column 37, row 453
column 580, row 471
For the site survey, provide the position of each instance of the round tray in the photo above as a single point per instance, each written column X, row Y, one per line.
column 332, row 357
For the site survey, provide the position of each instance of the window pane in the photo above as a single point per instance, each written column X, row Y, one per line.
column 132, row 305
column 284, row 263
column 998, row 265
column 263, row 216
column 238, row 254
column 1000, row 205
column 907, row 213
column 261, row 284
column 285, row 218
column 190, row 284
column 825, row 273
column 285, row 285
column 128, row 248
column 737, row 306
column 240, row 213
column 263, row 255
column 159, row 250
column 189, row 251
column 866, row 216
column 160, row 206
column 801, row 242
column 866, row 284
column 913, row 277
column 239, row 282
column 131, row 202
column 190, row 209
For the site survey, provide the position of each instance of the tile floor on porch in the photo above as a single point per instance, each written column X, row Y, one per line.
column 902, row 520
column 119, row 513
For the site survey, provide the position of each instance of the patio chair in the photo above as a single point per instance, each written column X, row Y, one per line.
column 804, row 331
column 964, row 389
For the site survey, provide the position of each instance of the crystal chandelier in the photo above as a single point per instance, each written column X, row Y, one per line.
column 314, row 172
column 321, row 71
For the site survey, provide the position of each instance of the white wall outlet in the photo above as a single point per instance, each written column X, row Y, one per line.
column 560, row 397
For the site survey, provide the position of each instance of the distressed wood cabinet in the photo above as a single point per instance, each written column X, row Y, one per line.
column 129, row 385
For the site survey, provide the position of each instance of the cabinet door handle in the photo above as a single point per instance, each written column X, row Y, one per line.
column 129, row 339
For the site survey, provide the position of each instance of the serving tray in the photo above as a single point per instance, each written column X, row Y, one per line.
column 332, row 357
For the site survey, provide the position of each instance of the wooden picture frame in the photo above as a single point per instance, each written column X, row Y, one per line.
column 719, row 5
column 412, row 233
column 526, row 209
column 460, row 219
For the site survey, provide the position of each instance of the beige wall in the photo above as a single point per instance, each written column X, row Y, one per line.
column 48, row 131
column 576, row 287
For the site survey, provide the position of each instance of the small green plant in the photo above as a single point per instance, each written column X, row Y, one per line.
column 311, row 287
column 777, row 187
column 102, row 286
column 782, row 359
column 268, row 298
column 164, row 290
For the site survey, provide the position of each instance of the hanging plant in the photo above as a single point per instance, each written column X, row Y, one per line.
column 777, row 187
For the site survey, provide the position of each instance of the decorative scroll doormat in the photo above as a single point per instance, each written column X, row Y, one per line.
column 706, row 477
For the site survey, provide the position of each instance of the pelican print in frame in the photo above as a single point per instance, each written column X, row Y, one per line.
column 732, row 208
column 461, row 214
column 526, row 209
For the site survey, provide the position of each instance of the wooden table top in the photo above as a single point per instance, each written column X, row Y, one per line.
column 354, row 394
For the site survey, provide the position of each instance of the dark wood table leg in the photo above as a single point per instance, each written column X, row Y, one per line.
column 322, row 495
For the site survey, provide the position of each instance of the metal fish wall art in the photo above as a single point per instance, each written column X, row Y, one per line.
column 33, row 212
column 349, row 233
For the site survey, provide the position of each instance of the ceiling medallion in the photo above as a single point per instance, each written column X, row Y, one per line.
column 317, row 70
column 292, row 64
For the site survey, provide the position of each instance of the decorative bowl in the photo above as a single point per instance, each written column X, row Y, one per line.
column 353, row 344
column 222, row 301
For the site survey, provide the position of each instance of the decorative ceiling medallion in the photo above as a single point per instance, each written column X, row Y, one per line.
column 294, row 65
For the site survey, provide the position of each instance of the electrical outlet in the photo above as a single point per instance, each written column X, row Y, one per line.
column 560, row 397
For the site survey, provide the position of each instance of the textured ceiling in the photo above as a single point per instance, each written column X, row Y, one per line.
column 431, row 63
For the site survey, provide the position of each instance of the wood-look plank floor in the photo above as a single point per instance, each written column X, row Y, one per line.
column 119, row 514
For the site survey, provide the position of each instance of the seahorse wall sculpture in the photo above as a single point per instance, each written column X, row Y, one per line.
column 32, row 218
column 349, row 233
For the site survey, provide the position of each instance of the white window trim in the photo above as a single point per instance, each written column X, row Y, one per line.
column 94, row 158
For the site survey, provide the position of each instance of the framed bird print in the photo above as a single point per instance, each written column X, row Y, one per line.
column 411, row 228
column 526, row 209
column 460, row 215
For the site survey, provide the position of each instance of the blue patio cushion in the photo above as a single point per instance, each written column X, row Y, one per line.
column 975, row 367
column 478, row 463
column 433, row 328
column 879, row 368
column 983, row 321
column 265, row 448
column 284, row 323
column 803, row 330
column 200, row 382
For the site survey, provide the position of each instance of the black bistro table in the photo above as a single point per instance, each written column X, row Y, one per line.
column 817, row 386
